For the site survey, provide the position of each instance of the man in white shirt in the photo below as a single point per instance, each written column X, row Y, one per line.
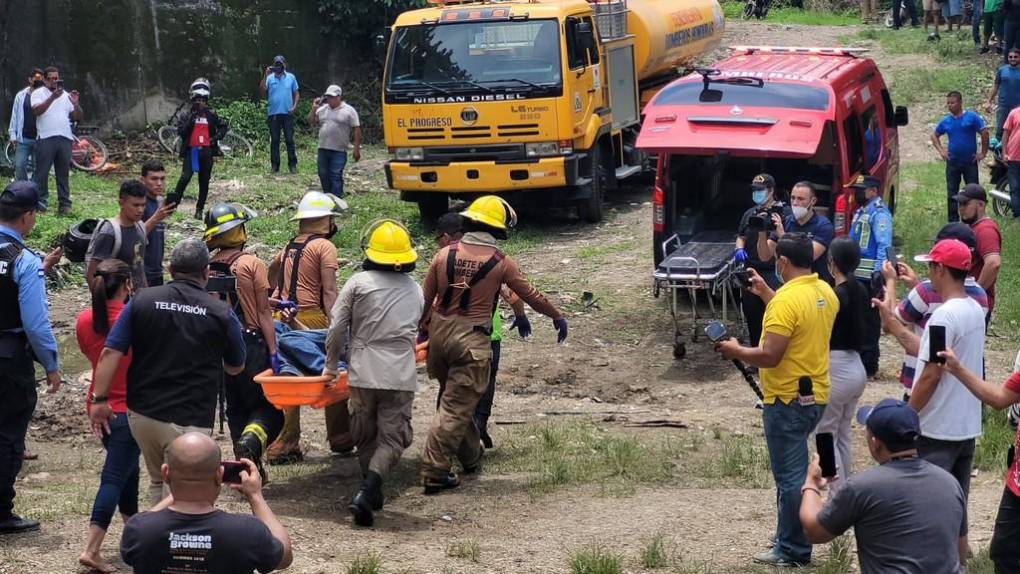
column 338, row 126
column 950, row 415
column 54, row 109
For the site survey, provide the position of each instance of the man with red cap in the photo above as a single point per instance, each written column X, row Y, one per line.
column 950, row 415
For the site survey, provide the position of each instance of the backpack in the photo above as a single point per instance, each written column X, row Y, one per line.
column 117, row 238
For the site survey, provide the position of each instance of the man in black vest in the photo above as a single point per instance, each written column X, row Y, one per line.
column 181, row 339
column 24, row 332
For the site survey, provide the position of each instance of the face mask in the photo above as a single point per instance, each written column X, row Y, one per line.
column 332, row 230
column 759, row 196
column 38, row 84
column 860, row 198
column 800, row 212
column 779, row 276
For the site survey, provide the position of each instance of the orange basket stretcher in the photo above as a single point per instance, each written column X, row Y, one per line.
column 315, row 391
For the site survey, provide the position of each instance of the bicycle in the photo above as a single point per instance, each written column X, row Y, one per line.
column 233, row 144
column 757, row 9
column 88, row 153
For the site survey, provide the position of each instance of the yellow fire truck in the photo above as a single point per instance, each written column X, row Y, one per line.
column 537, row 96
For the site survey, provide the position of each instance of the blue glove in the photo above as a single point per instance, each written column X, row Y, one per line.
column 740, row 254
column 274, row 362
column 523, row 326
column 286, row 305
column 561, row 329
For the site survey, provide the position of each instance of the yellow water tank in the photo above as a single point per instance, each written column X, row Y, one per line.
column 672, row 33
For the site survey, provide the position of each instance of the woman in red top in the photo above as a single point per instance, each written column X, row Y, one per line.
column 118, row 486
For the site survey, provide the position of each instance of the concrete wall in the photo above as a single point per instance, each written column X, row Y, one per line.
column 132, row 60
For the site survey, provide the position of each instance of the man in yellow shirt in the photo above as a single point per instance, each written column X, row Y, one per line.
column 793, row 360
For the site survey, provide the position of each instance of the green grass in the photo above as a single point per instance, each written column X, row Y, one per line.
column 996, row 438
column 367, row 563
column 657, row 552
column 784, row 15
column 981, row 563
column 741, row 457
column 466, row 549
column 600, row 251
column 558, row 455
column 595, row 558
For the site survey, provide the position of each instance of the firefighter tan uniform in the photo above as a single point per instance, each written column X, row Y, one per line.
column 466, row 277
column 299, row 280
column 242, row 280
column 379, row 307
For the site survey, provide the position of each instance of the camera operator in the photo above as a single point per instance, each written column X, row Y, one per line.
column 754, row 227
column 803, row 219
column 793, row 358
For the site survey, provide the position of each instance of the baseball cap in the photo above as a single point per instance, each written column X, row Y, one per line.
column 21, row 194
column 971, row 191
column 951, row 253
column 891, row 421
column 763, row 181
column 866, row 181
column 957, row 230
column 279, row 59
column 334, row 90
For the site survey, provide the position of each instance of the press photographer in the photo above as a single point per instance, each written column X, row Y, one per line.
column 755, row 225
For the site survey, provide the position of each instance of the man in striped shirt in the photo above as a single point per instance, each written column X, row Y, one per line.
column 922, row 300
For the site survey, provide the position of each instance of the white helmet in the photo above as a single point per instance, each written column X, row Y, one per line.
column 317, row 204
column 200, row 88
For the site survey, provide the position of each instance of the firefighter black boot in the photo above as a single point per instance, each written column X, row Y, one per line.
column 250, row 446
column 368, row 498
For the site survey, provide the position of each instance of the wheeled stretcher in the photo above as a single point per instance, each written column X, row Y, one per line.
column 704, row 264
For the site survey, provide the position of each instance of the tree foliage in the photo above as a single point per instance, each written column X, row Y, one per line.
column 356, row 23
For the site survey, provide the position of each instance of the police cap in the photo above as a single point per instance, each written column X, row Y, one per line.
column 23, row 194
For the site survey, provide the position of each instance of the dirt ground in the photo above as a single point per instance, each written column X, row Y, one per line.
column 617, row 366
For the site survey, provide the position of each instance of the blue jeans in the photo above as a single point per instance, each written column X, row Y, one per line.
column 787, row 428
column 302, row 353
column 331, row 165
column 22, row 152
column 954, row 172
column 977, row 16
column 284, row 123
column 1014, row 187
column 118, row 484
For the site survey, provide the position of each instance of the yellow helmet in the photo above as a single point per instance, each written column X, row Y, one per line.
column 387, row 242
column 492, row 211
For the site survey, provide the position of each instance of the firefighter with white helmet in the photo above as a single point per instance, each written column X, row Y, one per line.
column 304, row 275
column 376, row 316
column 461, row 287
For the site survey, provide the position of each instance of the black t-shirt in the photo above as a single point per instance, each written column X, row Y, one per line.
column 132, row 249
column 848, row 330
column 168, row 542
column 28, row 130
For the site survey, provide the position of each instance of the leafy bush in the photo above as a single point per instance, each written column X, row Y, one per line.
column 246, row 117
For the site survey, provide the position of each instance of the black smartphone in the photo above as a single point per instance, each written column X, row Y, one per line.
column 174, row 198
column 60, row 84
column 743, row 277
column 716, row 331
column 232, row 471
column 826, row 453
column 936, row 343
column 890, row 254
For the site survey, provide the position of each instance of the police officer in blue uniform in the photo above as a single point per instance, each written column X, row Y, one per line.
column 25, row 335
column 872, row 229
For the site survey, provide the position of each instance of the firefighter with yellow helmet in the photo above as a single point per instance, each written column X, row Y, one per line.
column 304, row 275
column 376, row 318
column 461, row 287
column 242, row 280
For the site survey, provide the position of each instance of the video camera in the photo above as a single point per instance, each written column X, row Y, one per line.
column 762, row 220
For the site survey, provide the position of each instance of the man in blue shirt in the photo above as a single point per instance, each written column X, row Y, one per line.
column 872, row 230
column 960, row 154
column 803, row 219
column 25, row 335
column 281, row 90
column 22, row 130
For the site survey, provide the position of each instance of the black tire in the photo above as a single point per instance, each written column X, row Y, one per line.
column 748, row 10
column 1000, row 207
column 432, row 207
column 592, row 209
column 168, row 138
column 88, row 153
column 234, row 145
column 9, row 152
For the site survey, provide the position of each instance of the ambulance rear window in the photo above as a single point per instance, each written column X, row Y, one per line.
column 770, row 95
